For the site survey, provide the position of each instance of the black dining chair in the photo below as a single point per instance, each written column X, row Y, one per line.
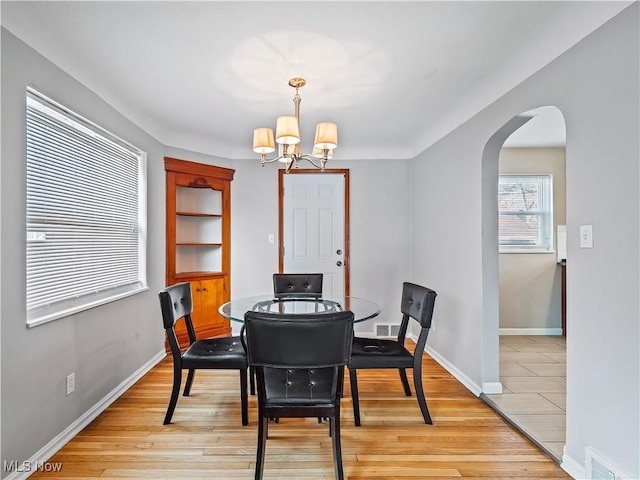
column 286, row 285
column 225, row 353
column 372, row 353
column 299, row 363
column 291, row 284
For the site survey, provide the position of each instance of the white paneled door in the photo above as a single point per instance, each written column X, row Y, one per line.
column 313, row 227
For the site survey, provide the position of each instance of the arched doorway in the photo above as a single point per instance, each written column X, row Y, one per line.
column 538, row 414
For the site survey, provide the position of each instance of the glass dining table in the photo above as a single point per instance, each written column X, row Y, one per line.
column 300, row 304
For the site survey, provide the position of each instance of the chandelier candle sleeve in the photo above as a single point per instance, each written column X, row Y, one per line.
column 287, row 152
column 288, row 138
column 319, row 153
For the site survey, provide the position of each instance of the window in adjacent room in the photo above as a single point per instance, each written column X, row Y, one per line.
column 525, row 209
column 86, row 213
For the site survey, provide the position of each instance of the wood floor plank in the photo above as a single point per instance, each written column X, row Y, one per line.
column 207, row 441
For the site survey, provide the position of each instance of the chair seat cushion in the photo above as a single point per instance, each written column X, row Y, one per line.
column 379, row 353
column 223, row 353
column 299, row 386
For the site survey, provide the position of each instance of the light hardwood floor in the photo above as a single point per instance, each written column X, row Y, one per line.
column 206, row 440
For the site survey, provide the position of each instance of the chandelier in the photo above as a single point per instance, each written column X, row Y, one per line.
column 288, row 138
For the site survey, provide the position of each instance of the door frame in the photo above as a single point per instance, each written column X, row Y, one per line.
column 347, row 241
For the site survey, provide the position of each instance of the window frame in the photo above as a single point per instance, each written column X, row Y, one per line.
column 546, row 213
column 38, row 313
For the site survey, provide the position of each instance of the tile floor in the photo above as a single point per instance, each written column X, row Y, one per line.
column 533, row 376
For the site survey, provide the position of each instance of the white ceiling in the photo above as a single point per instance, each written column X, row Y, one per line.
column 395, row 76
column 546, row 128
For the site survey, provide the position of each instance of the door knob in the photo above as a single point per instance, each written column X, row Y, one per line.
column 339, row 263
column 339, row 252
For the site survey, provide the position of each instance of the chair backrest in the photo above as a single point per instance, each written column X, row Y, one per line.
column 176, row 303
column 290, row 284
column 298, row 340
column 417, row 303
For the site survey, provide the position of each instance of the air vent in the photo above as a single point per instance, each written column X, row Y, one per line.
column 382, row 330
column 386, row 330
column 599, row 468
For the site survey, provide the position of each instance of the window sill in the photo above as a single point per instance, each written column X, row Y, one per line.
column 42, row 319
column 524, row 250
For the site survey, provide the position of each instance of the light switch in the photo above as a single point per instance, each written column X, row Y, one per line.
column 586, row 236
column 271, row 238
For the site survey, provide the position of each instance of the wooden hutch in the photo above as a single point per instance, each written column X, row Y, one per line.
column 198, row 227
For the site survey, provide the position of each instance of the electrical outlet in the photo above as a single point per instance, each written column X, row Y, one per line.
column 71, row 383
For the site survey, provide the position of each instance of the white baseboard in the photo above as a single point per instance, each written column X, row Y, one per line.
column 491, row 388
column 51, row 448
column 487, row 387
column 530, row 331
column 461, row 377
column 573, row 468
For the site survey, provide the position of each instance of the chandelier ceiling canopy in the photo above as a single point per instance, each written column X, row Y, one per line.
column 288, row 138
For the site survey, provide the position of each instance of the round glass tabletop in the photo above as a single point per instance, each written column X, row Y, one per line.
column 362, row 309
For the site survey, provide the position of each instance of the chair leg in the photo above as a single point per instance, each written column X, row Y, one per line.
column 263, row 424
column 175, row 392
column 405, row 381
column 337, row 446
column 187, row 385
column 353, row 380
column 252, row 380
column 417, row 383
column 244, row 402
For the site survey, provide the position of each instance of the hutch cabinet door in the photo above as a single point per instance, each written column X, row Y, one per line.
column 208, row 295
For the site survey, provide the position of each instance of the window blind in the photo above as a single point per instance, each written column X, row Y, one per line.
column 86, row 213
column 525, row 212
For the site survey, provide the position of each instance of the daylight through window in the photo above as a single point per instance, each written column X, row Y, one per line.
column 525, row 213
column 86, row 213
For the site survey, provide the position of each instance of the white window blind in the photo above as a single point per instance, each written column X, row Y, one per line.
column 86, row 213
column 525, row 213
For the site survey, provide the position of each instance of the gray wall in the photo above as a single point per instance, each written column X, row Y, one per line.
column 530, row 283
column 104, row 345
column 595, row 85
